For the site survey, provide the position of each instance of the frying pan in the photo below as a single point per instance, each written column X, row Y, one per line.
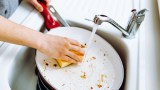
column 102, row 68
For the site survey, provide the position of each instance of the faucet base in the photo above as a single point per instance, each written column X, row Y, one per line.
column 128, row 36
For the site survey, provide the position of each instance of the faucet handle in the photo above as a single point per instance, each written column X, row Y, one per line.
column 141, row 15
column 142, row 12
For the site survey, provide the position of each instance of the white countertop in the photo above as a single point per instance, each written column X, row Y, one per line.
column 149, row 48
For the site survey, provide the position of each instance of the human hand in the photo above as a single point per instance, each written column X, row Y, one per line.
column 60, row 48
column 37, row 5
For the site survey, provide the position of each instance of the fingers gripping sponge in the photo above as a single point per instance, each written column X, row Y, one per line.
column 63, row 63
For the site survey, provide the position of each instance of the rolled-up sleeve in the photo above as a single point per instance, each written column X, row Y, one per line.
column 7, row 7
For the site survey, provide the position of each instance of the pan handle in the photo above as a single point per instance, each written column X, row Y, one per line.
column 48, row 20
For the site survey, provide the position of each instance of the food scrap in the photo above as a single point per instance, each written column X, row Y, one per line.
column 91, row 87
column 93, row 58
column 55, row 65
column 46, row 64
column 83, row 76
column 99, row 85
column 94, row 40
column 103, row 77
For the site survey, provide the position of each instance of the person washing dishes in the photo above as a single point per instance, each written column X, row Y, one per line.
column 53, row 46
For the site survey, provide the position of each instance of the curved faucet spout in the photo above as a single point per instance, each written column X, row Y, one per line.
column 99, row 19
column 133, row 25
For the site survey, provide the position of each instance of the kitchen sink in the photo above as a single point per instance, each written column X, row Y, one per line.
column 17, row 63
column 22, row 70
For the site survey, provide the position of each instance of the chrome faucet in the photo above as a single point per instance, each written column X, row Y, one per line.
column 133, row 25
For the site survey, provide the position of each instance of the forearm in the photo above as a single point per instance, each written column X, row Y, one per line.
column 53, row 46
column 18, row 34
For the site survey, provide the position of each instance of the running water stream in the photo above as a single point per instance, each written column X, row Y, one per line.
column 95, row 27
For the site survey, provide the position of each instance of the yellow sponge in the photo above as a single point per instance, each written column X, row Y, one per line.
column 63, row 63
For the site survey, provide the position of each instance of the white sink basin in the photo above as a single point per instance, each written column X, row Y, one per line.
column 22, row 69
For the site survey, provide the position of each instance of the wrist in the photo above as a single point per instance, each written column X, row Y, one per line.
column 39, row 42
